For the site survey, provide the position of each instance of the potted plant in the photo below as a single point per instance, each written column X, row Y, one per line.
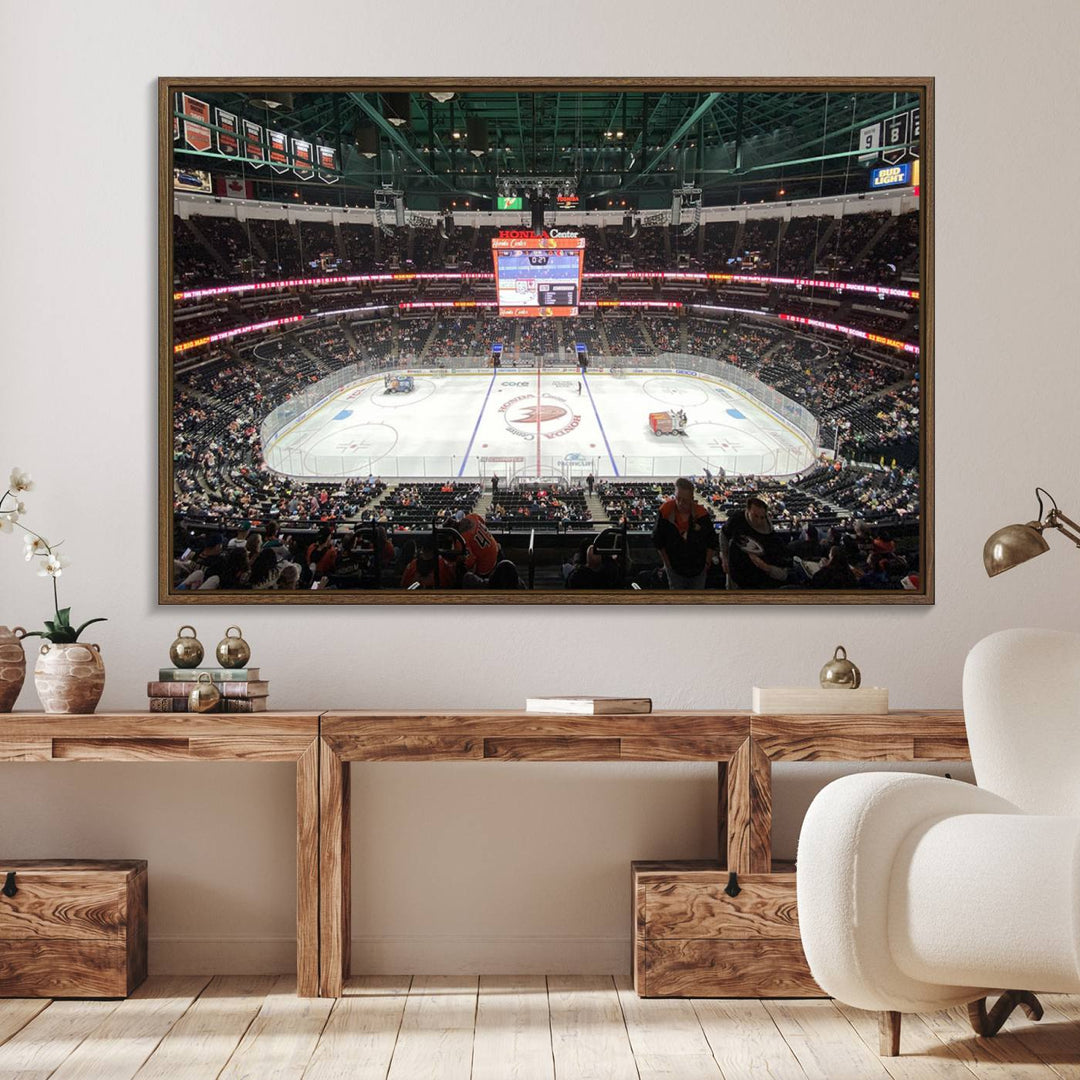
column 69, row 674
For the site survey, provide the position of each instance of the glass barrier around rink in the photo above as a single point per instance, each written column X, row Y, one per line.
column 777, row 461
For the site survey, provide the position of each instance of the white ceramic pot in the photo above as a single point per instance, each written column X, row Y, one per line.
column 69, row 678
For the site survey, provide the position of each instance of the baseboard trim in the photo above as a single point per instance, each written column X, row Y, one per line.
column 446, row 954
column 221, row 956
column 430, row 954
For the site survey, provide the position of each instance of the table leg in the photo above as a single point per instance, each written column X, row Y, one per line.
column 307, row 872
column 749, row 810
column 334, row 872
column 722, row 813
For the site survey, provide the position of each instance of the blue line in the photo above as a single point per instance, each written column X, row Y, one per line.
column 476, row 428
column 603, row 433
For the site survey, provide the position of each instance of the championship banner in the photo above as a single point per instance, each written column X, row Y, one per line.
column 913, row 131
column 253, row 144
column 227, row 141
column 327, row 159
column 279, row 150
column 195, row 135
column 302, row 159
column 869, row 142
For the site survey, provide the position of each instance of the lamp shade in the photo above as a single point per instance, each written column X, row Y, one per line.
column 1012, row 545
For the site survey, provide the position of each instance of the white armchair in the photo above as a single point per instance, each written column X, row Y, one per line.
column 918, row 893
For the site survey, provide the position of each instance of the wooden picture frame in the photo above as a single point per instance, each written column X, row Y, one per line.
column 211, row 380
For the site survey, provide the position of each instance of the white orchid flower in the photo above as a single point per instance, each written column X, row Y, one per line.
column 34, row 545
column 53, row 566
column 20, row 481
column 7, row 520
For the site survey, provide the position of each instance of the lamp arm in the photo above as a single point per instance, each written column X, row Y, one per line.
column 1055, row 519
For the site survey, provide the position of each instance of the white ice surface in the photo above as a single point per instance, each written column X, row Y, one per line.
column 453, row 423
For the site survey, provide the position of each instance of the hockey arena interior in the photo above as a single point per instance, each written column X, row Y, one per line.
column 539, row 340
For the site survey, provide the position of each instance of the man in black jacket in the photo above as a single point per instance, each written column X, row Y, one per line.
column 685, row 537
column 752, row 554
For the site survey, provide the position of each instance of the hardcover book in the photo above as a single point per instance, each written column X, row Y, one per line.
column 588, row 706
column 230, row 705
column 225, row 689
column 191, row 674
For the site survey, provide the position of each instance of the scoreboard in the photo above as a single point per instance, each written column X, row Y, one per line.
column 538, row 276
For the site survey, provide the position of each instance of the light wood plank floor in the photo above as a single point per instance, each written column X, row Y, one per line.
column 524, row 1027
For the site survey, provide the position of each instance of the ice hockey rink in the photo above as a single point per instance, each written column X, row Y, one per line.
column 526, row 422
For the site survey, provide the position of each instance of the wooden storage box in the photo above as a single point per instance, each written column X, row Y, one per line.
column 72, row 928
column 818, row 701
column 691, row 939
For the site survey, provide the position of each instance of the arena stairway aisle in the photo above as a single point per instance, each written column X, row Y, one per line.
column 597, row 513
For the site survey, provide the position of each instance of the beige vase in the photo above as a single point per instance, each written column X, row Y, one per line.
column 69, row 678
column 12, row 666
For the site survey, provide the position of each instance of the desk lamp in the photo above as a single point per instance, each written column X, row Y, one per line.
column 1014, row 544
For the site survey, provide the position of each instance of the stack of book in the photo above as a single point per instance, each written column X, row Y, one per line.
column 241, row 689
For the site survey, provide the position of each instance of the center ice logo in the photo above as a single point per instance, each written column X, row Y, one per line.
column 524, row 415
column 530, row 414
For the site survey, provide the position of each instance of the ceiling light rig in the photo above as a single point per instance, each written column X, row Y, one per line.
column 543, row 186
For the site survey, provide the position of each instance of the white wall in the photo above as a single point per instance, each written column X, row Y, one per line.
column 494, row 867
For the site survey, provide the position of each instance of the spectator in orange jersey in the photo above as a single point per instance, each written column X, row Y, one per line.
column 422, row 569
column 481, row 548
column 685, row 538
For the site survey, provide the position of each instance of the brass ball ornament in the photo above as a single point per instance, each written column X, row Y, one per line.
column 186, row 652
column 204, row 696
column 233, row 652
column 840, row 673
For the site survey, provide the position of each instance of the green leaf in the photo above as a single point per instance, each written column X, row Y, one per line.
column 50, row 625
column 86, row 624
column 63, row 617
column 35, row 633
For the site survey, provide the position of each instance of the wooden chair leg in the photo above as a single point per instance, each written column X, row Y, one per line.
column 988, row 1024
column 889, row 1034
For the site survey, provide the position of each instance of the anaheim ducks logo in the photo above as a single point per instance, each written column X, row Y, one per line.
column 531, row 414
column 549, row 417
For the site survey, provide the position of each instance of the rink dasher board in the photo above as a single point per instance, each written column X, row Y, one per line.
column 338, row 397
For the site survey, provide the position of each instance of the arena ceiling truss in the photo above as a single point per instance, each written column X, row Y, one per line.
column 635, row 145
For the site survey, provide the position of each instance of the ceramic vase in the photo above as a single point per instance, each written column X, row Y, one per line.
column 12, row 666
column 69, row 678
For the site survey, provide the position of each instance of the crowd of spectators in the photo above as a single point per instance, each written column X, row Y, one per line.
column 414, row 504
column 538, row 337
column 664, row 332
column 625, row 335
column 553, row 503
column 867, row 401
column 262, row 248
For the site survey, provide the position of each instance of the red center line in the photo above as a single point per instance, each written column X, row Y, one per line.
column 538, row 363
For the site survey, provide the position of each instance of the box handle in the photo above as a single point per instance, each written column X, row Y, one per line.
column 732, row 887
column 9, row 884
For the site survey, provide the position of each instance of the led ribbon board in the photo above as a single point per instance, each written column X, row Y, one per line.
column 538, row 276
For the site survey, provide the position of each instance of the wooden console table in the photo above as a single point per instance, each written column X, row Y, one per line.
column 742, row 744
column 268, row 736
column 501, row 736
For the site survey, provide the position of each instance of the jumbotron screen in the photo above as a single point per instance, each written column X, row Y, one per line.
column 538, row 276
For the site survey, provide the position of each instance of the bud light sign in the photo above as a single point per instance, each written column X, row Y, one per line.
column 891, row 176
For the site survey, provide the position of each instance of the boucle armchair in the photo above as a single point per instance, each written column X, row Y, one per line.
column 918, row 893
